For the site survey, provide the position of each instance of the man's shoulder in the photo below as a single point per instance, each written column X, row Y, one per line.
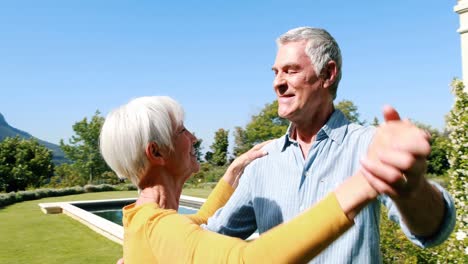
column 274, row 149
column 358, row 135
column 276, row 145
column 360, row 131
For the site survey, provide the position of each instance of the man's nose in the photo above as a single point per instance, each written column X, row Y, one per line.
column 279, row 83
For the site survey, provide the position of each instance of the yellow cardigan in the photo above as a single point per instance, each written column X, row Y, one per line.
column 155, row 235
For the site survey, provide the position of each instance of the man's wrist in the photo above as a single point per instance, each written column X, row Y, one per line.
column 422, row 210
column 408, row 193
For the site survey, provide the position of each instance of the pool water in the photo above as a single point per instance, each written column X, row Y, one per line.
column 115, row 214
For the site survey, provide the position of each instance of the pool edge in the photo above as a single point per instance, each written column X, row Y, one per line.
column 98, row 224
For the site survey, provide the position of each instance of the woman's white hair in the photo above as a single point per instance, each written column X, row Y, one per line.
column 129, row 129
column 321, row 48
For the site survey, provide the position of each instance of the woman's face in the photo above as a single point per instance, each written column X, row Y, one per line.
column 182, row 162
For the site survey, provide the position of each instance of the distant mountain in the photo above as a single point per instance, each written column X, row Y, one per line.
column 8, row 131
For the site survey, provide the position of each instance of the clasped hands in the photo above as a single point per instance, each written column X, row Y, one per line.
column 396, row 161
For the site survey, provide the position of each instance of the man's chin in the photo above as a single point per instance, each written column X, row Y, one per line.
column 284, row 114
column 284, row 109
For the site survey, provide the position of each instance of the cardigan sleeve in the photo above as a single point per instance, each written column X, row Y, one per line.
column 217, row 199
column 176, row 239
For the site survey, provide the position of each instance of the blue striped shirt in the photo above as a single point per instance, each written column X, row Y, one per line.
column 276, row 188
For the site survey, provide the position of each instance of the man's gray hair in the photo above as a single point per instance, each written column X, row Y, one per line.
column 129, row 129
column 321, row 48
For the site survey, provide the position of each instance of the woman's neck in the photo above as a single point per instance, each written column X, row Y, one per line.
column 163, row 190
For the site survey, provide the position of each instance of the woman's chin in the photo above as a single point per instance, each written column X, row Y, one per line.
column 196, row 168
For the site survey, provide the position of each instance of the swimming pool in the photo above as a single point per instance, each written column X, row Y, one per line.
column 80, row 211
column 113, row 230
column 115, row 214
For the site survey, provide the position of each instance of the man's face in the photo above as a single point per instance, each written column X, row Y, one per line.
column 299, row 90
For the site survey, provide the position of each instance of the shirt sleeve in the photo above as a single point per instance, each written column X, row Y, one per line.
column 237, row 217
column 445, row 229
column 174, row 238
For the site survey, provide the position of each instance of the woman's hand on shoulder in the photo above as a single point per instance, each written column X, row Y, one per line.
column 235, row 170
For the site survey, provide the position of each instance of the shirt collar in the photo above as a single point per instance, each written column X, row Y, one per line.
column 335, row 129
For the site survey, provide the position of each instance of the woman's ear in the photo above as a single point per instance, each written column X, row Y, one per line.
column 153, row 154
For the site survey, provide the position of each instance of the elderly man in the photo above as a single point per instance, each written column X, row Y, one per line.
column 319, row 151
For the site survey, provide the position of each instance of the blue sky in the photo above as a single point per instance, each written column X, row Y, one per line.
column 60, row 61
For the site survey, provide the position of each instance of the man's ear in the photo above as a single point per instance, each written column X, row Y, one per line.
column 329, row 73
column 153, row 154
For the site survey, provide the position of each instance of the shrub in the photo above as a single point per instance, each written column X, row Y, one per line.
column 25, row 195
column 7, row 199
column 106, row 188
column 126, row 187
column 457, row 125
column 90, row 188
column 15, row 197
column 397, row 249
column 99, row 188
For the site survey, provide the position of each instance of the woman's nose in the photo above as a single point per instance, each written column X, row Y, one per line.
column 193, row 137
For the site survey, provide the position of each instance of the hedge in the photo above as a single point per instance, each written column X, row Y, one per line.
column 20, row 196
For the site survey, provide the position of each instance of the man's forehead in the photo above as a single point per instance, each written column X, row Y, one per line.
column 290, row 56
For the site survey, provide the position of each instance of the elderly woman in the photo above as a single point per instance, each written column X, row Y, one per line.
column 146, row 141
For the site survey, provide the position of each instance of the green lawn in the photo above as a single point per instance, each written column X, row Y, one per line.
column 203, row 193
column 30, row 236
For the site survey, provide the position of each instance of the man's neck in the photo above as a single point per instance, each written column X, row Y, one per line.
column 305, row 141
column 306, row 132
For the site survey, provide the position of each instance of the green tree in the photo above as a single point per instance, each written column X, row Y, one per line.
column 208, row 173
column 437, row 162
column 24, row 163
column 241, row 143
column 198, row 148
column 83, row 149
column 209, row 156
column 350, row 110
column 219, row 147
column 457, row 127
column 375, row 121
column 264, row 126
column 66, row 175
column 395, row 247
